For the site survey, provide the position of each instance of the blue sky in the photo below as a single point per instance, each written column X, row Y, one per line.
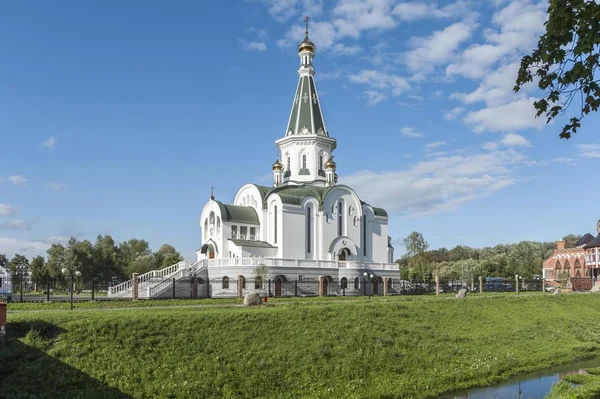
column 117, row 117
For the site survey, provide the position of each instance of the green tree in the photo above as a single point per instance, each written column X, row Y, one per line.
column 106, row 259
column 19, row 266
column 54, row 261
column 39, row 272
column 416, row 248
column 565, row 62
column 130, row 251
column 167, row 255
column 571, row 239
column 143, row 264
column 3, row 261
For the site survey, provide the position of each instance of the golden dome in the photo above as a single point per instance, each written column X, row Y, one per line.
column 278, row 165
column 330, row 164
column 306, row 45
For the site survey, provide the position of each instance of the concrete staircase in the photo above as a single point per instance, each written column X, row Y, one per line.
column 152, row 282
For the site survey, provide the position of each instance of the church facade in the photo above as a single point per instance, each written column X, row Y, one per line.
column 305, row 224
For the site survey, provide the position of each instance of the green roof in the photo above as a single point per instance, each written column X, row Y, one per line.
column 380, row 212
column 238, row 214
column 294, row 195
column 248, row 243
column 306, row 110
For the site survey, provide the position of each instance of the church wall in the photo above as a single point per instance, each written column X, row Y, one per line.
column 351, row 220
column 294, row 233
column 379, row 239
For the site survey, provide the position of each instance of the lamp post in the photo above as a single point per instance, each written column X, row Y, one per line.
column 72, row 274
column 371, row 291
column 365, row 274
column 21, row 269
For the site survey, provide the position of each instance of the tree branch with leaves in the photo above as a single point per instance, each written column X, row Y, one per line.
column 565, row 62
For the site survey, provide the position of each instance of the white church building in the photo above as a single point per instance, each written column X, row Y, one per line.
column 304, row 228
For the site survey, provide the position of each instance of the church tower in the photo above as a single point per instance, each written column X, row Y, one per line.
column 306, row 147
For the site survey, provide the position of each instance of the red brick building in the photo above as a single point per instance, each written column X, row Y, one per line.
column 580, row 261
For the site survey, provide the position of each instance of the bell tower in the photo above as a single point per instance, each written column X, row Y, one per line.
column 306, row 146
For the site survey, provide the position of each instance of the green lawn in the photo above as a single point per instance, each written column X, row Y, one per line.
column 357, row 348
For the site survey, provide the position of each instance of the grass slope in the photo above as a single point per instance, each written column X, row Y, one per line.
column 385, row 348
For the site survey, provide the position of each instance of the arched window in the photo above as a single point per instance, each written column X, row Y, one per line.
column 258, row 283
column 304, row 161
column 356, row 283
column 243, row 282
column 344, row 283
column 567, row 265
column 389, row 283
column 557, row 266
column 340, row 218
column 288, row 163
column 308, row 229
column 320, row 162
column 205, row 225
column 577, row 263
column 364, row 235
column 225, row 282
column 275, row 224
column 212, row 218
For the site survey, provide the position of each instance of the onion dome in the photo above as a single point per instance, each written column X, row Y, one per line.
column 306, row 44
column 330, row 164
column 278, row 165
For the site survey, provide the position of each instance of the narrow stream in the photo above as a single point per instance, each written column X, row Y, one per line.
column 534, row 385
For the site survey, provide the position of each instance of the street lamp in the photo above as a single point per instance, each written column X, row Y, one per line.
column 371, row 292
column 21, row 268
column 72, row 275
column 365, row 274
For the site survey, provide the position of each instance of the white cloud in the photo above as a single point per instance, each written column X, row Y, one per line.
column 16, row 180
column 342, row 49
column 439, row 184
column 515, row 140
column 258, row 46
column 589, row 150
column 381, row 81
column 516, row 115
column 282, row 10
column 28, row 248
column 410, row 132
column 49, row 143
column 374, row 97
column 412, row 11
column 55, row 186
column 490, row 146
column 434, row 144
column 436, row 49
column 6, row 210
column 15, row 225
column 454, row 113
column 519, row 26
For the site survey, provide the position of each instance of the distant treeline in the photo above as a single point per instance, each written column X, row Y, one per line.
column 104, row 260
column 464, row 263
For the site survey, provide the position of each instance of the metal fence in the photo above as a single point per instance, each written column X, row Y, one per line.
column 61, row 290
column 18, row 290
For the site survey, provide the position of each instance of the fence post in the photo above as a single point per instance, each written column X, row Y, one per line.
column 295, row 287
column 437, row 285
column 480, row 284
column 517, row 282
column 321, row 285
column 134, row 289
column 385, row 286
column 269, row 288
column 48, row 288
column 472, row 284
column 173, row 287
column 93, row 288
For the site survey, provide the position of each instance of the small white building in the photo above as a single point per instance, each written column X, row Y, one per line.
column 305, row 225
column 5, row 283
column 304, row 235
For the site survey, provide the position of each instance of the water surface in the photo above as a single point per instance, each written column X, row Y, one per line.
column 534, row 385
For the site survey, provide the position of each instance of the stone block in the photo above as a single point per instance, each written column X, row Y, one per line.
column 252, row 299
column 462, row 293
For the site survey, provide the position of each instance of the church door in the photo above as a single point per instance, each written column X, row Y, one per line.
column 194, row 287
column 324, row 287
column 278, row 286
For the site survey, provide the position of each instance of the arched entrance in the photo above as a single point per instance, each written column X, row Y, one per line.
column 344, row 255
column 375, row 283
column 209, row 250
column 278, row 284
